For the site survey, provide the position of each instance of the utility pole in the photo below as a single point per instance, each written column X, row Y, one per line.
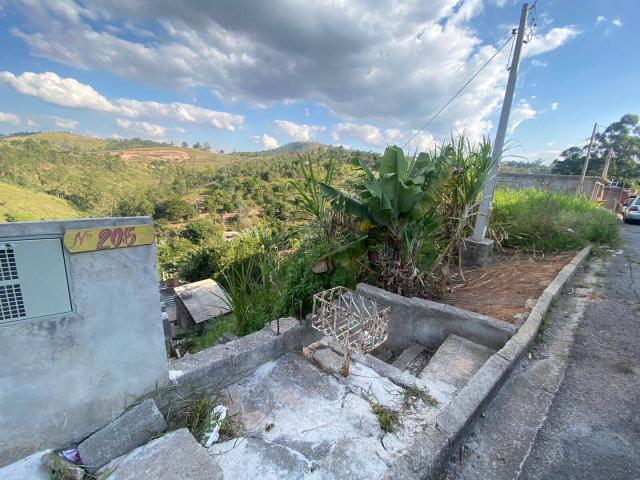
column 586, row 161
column 478, row 245
column 607, row 162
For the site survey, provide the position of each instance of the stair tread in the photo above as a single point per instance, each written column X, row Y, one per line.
column 456, row 361
column 407, row 356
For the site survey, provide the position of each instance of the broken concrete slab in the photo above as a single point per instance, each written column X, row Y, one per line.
column 301, row 420
column 132, row 429
column 456, row 361
column 408, row 356
column 29, row 468
column 176, row 455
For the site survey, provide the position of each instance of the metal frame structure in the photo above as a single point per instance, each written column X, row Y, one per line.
column 357, row 322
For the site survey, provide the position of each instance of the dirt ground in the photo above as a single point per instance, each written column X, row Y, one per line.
column 501, row 289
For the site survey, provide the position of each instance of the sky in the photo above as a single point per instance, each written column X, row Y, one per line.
column 252, row 75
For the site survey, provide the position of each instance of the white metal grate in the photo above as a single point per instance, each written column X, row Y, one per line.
column 355, row 321
column 8, row 268
column 11, row 302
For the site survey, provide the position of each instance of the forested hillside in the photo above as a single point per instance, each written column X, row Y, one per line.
column 97, row 177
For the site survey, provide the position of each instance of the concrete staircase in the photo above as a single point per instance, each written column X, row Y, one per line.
column 453, row 363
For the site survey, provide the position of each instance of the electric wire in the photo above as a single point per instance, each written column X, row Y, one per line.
column 433, row 117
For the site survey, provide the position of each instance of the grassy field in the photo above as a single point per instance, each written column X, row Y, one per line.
column 22, row 204
column 64, row 141
column 550, row 222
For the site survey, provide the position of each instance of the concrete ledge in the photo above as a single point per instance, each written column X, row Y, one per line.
column 520, row 343
column 215, row 368
column 430, row 452
column 416, row 320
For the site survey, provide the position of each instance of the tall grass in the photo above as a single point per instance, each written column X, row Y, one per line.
column 550, row 222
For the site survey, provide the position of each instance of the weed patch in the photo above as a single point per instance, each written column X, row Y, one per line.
column 387, row 418
column 550, row 222
column 413, row 394
column 544, row 326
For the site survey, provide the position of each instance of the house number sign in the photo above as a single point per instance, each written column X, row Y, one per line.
column 93, row 239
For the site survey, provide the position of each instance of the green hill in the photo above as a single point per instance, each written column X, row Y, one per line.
column 23, row 204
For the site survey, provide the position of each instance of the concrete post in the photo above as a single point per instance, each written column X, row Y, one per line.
column 477, row 248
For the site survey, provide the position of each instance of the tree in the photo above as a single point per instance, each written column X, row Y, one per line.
column 185, row 145
column 390, row 209
column 175, row 209
column 622, row 137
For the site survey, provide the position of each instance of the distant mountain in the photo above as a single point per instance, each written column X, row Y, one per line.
column 289, row 149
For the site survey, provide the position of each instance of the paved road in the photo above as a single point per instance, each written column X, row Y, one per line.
column 592, row 430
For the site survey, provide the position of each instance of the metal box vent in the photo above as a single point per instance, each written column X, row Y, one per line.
column 8, row 268
column 33, row 279
column 11, row 302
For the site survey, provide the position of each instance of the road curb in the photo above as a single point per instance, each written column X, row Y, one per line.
column 427, row 459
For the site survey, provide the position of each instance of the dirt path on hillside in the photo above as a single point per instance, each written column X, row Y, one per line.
column 501, row 289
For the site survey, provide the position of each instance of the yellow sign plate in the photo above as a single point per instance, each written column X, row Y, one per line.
column 106, row 238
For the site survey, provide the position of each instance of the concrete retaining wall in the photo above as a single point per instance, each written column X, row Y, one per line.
column 540, row 181
column 215, row 368
column 64, row 376
column 415, row 320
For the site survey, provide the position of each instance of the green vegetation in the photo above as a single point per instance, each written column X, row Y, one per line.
column 549, row 222
column 622, row 138
column 413, row 394
column 304, row 218
column 387, row 418
column 192, row 412
column 544, row 326
column 20, row 204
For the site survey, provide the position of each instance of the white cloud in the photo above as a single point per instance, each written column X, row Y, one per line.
column 68, row 92
column 367, row 134
column 181, row 112
column 554, row 106
column 297, row 131
column 180, row 130
column 51, row 88
column 142, row 128
column 538, row 63
column 31, row 123
column 64, row 123
column 554, row 38
column 11, row 118
column 616, row 22
column 522, row 111
column 306, row 112
column 281, row 50
column 600, row 19
column 267, row 142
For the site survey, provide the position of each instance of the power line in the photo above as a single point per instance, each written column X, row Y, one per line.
column 461, row 89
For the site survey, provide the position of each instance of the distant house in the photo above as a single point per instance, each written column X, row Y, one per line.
column 199, row 301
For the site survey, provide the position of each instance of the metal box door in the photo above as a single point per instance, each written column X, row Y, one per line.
column 33, row 279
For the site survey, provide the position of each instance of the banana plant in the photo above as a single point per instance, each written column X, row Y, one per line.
column 388, row 203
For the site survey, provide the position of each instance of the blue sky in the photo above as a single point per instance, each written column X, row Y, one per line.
column 250, row 75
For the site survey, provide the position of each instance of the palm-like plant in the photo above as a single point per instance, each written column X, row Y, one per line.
column 387, row 206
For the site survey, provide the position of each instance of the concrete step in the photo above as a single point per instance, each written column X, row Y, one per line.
column 408, row 356
column 456, row 361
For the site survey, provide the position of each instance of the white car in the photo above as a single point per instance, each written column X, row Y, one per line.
column 627, row 202
column 631, row 213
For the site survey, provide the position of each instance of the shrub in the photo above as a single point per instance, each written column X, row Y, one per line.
column 201, row 230
column 175, row 209
column 300, row 283
column 550, row 222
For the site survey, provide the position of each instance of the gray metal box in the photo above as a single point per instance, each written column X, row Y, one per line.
column 33, row 279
